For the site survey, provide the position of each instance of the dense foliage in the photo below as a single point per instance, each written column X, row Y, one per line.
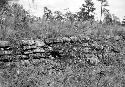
column 59, row 50
column 87, row 11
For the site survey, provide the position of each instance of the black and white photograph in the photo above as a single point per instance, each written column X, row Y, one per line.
column 62, row 43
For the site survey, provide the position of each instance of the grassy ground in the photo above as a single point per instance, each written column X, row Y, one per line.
column 94, row 57
column 76, row 69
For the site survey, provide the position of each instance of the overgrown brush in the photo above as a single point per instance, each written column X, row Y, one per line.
column 83, row 52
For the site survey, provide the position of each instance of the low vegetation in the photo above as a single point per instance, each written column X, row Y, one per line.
column 60, row 50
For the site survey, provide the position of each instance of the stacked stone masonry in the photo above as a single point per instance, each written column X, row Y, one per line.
column 54, row 49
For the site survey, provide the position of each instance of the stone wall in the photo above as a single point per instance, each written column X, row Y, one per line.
column 64, row 49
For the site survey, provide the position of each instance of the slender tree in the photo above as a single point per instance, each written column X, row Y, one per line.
column 104, row 3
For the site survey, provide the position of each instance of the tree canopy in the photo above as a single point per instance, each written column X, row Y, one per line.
column 86, row 11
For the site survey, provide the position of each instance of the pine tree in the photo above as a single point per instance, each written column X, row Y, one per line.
column 87, row 11
column 104, row 3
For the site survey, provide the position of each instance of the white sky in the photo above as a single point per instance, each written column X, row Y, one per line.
column 116, row 7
